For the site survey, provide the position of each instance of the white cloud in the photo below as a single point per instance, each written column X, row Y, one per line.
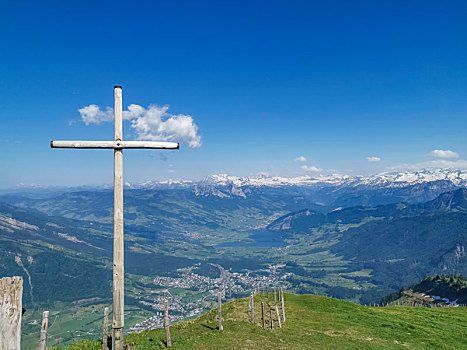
column 153, row 123
column 310, row 168
column 133, row 112
column 373, row 159
column 300, row 159
column 92, row 114
column 444, row 154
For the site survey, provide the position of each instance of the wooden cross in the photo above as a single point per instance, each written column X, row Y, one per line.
column 117, row 145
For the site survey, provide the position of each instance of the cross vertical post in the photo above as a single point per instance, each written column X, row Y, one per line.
column 118, row 270
column 117, row 145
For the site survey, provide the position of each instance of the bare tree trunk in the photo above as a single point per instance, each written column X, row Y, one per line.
column 219, row 305
column 106, row 329
column 45, row 324
column 167, row 325
column 11, row 309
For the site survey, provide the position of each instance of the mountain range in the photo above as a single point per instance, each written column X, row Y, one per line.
column 355, row 238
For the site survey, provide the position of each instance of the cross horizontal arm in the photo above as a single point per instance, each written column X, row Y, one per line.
column 114, row 144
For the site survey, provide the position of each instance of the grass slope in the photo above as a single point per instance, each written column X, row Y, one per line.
column 312, row 322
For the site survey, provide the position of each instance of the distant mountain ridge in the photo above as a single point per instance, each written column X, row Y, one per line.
column 327, row 191
column 454, row 201
column 399, row 233
column 387, row 179
column 398, row 242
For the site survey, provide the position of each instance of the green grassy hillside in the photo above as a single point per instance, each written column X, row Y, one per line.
column 312, row 322
column 430, row 291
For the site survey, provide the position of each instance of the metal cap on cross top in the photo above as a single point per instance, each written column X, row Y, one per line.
column 117, row 145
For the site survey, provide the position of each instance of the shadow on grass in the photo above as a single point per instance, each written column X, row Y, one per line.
column 209, row 327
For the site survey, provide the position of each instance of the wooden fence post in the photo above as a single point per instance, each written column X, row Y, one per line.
column 283, row 308
column 278, row 317
column 272, row 320
column 106, row 329
column 167, row 325
column 219, row 305
column 251, row 308
column 11, row 309
column 262, row 313
column 45, row 324
column 274, row 294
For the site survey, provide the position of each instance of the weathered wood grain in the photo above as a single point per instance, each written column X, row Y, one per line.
column 11, row 296
column 115, row 144
column 45, row 325
column 118, row 270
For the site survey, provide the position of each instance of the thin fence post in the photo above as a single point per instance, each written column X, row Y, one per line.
column 283, row 307
column 45, row 324
column 251, row 309
column 272, row 320
column 11, row 310
column 262, row 313
column 219, row 305
column 274, row 291
column 278, row 317
column 167, row 325
column 106, row 329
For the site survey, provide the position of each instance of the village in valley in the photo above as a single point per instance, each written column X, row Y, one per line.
column 195, row 293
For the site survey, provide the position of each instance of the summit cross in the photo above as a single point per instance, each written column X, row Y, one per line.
column 117, row 145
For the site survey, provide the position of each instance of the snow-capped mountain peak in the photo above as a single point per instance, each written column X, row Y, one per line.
column 224, row 185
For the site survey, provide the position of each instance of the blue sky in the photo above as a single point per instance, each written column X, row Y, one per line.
column 265, row 83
